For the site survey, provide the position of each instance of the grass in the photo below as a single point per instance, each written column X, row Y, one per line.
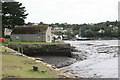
column 21, row 67
column 2, row 44
column 3, row 49
column 35, row 43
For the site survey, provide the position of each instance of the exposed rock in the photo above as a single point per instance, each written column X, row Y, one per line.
column 39, row 59
column 43, row 71
column 61, row 76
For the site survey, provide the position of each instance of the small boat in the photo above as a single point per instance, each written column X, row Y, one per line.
column 82, row 38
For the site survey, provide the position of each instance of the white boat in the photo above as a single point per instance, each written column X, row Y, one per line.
column 82, row 38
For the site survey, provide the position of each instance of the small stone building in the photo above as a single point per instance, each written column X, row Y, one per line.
column 32, row 33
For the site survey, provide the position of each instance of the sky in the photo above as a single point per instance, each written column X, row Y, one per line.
column 71, row 11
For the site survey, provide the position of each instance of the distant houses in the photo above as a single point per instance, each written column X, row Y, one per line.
column 32, row 33
column 58, row 30
column 62, row 33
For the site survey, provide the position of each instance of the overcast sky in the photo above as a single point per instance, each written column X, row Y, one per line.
column 71, row 11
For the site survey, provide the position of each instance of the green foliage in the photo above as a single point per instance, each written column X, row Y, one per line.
column 89, row 33
column 111, row 29
column 12, row 14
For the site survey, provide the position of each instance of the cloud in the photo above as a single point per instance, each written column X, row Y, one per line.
column 71, row 11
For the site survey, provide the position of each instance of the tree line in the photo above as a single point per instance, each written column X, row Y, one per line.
column 109, row 29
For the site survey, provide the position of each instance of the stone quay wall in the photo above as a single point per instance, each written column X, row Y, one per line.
column 43, row 49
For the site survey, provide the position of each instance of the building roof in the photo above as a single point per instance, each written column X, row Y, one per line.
column 27, row 29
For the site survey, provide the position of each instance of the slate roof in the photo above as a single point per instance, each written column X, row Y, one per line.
column 27, row 29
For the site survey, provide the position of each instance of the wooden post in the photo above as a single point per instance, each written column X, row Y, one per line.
column 18, row 49
column 21, row 50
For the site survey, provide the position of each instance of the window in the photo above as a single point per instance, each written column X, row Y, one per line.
column 38, row 37
column 48, row 38
column 17, row 37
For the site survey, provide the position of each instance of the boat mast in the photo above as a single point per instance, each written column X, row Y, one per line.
column 80, row 33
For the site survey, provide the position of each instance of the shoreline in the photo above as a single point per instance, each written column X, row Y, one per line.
column 39, row 60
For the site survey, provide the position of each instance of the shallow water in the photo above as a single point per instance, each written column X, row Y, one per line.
column 101, row 59
column 94, row 59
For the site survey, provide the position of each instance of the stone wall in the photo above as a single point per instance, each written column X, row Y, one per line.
column 28, row 37
column 43, row 49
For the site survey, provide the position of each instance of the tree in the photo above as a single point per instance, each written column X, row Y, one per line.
column 107, row 23
column 89, row 33
column 29, row 23
column 12, row 14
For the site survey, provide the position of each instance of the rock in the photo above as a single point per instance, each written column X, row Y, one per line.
column 39, row 59
column 43, row 71
column 5, row 50
column 35, row 68
column 61, row 76
column 53, row 67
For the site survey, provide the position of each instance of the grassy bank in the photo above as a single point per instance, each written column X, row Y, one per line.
column 35, row 43
column 22, row 67
column 46, row 43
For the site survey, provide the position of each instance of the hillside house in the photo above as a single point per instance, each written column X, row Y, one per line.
column 33, row 33
column 59, row 29
column 70, row 30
